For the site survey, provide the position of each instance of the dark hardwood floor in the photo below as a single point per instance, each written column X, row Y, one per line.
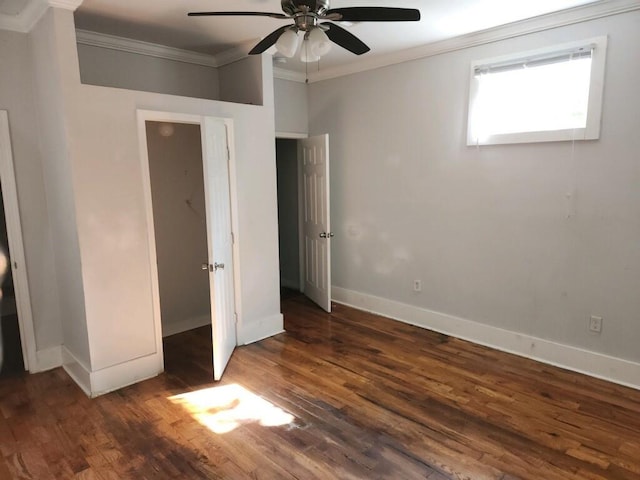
column 344, row 396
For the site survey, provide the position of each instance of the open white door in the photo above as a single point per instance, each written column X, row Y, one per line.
column 219, row 239
column 313, row 158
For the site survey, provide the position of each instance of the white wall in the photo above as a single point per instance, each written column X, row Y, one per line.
column 112, row 68
column 291, row 105
column 241, row 81
column 528, row 238
column 94, row 179
column 53, row 76
column 16, row 96
column 287, row 165
column 179, row 220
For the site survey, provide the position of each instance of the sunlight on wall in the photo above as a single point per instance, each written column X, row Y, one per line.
column 223, row 409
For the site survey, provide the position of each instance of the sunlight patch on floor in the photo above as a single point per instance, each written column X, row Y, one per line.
column 225, row 408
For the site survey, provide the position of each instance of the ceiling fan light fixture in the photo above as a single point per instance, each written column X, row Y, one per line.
column 318, row 42
column 287, row 43
column 307, row 54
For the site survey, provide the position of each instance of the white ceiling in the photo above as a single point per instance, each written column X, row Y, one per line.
column 165, row 22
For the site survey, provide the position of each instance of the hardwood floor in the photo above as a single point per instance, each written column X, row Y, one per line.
column 345, row 396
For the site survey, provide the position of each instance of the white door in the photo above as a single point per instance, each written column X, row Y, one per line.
column 220, row 242
column 313, row 158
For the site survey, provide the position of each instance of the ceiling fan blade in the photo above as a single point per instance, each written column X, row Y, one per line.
column 373, row 14
column 345, row 39
column 242, row 14
column 269, row 40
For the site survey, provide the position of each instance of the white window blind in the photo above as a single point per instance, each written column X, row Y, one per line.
column 537, row 96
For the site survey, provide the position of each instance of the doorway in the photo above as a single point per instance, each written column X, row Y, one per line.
column 187, row 163
column 11, row 356
column 17, row 342
column 304, row 218
column 288, row 215
column 179, row 220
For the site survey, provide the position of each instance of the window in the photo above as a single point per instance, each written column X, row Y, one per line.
column 540, row 96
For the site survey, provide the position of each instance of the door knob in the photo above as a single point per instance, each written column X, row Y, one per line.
column 331, row 235
column 205, row 266
column 218, row 266
column 323, row 235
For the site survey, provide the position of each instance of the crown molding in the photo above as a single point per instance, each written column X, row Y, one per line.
column 32, row 13
column 235, row 53
column 604, row 8
column 66, row 4
column 103, row 40
column 283, row 74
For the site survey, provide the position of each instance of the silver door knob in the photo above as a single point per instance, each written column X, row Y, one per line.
column 323, row 235
column 331, row 235
column 217, row 266
column 205, row 266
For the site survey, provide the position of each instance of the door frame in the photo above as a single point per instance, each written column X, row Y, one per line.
column 16, row 246
column 297, row 137
column 301, row 229
column 176, row 117
column 301, row 271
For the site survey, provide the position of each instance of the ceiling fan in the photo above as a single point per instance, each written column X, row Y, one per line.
column 314, row 17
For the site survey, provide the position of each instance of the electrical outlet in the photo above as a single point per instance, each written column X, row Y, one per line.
column 417, row 285
column 595, row 324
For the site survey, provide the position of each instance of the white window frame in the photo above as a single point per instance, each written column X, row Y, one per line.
column 594, row 109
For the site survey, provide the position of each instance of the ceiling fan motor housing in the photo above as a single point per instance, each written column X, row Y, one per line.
column 291, row 7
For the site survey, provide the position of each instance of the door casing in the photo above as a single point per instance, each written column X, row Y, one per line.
column 175, row 117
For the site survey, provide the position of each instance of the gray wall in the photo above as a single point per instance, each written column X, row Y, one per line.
column 241, row 81
column 54, row 74
column 16, row 96
column 177, row 187
column 292, row 114
column 111, row 68
column 531, row 238
column 287, row 166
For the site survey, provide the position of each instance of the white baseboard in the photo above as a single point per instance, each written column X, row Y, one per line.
column 76, row 370
column 125, row 374
column 47, row 359
column 595, row 364
column 112, row 378
column 261, row 329
column 172, row 328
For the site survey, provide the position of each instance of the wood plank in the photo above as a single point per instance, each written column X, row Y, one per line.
column 369, row 397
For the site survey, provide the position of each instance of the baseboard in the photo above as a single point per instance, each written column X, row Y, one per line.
column 172, row 328
column 76, row 370
column 125, row 374
column 597, row 365
column 99, row 382
column 261, row 329
column 47, row 359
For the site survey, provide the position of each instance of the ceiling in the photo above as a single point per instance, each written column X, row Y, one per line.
column 165, row 22
column 12, row 7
